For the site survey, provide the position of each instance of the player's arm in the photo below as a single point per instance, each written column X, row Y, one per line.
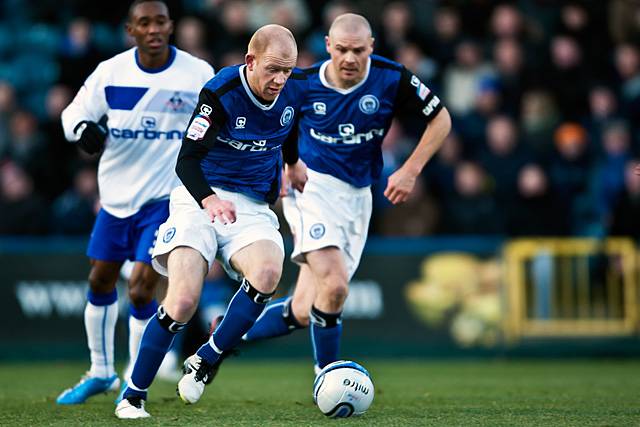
column 294, row 167
column 414, row 96
column 84, row 120
column 206, row 121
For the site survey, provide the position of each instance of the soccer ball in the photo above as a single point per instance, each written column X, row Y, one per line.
column 342, row 389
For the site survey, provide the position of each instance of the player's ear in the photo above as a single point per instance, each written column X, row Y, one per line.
column 327, row 43
column 372, row 44
column 250, row 60
column 129, row 28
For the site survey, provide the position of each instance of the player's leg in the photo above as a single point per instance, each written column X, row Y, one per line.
column 285, row 315
column 185, row 248
column 142, row 286
column 260, row 264
column 187, row 269
column 101, row 312
column 332, row 269
column 330, row 272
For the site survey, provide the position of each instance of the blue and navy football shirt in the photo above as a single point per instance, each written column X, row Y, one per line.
column 341, row 130
column 241, row 137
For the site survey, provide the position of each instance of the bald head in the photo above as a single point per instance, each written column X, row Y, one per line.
column 275, row 39
column 350, row 23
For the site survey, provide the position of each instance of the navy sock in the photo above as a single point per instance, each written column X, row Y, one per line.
column 156, row 341
column 326, row 330
column 144, row 312
column 276, row 320
column 242, row 312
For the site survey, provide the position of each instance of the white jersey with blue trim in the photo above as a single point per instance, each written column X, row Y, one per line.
column 148, row 111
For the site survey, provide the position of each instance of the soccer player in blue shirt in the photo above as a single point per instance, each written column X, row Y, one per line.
column 230, row 164
column 352, row 99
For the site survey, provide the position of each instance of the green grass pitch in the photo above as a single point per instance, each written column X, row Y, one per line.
column 408, row 393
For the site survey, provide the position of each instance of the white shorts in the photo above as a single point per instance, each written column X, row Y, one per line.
column 189, row 225
column 329, row 212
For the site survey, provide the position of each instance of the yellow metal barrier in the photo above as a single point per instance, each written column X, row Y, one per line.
column 571, row 287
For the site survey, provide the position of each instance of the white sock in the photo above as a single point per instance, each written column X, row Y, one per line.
column 136, row 329
column 169, row 363
column 100, row 325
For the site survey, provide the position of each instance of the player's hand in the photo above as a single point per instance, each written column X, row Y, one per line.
column 399, row 185
column 296, row 174
column 222, row 210
column 92, row 136
column 636, row 170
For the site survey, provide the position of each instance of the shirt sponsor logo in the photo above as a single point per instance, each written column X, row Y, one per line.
column 428, row 109
column 256, row 145
column 369, row 104
column 205, row 110
column 241, row 122
column 320, row 108
column 347, row 135
column 148, row 122
column 286, row 116
column 198, row 128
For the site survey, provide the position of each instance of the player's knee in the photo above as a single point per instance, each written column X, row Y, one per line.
column 181, row 308
column 266, row 277
column 335, row 292
column 100, row 283
column 141, row 290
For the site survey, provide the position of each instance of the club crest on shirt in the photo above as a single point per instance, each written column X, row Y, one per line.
column 369, row 104
column 286, row 116
column 168, row 235
column 317, row 230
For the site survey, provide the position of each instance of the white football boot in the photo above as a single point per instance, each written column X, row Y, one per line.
column 197, row 373
column 131, row 408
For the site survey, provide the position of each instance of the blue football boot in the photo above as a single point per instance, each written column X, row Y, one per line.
column 87, row 387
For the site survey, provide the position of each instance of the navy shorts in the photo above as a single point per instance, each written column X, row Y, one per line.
column 119, row 239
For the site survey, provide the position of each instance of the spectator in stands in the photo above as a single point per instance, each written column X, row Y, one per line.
column 570, row 175
column 78, row 56
column 567, row 77
column 74, row 212
column 21, row 210
column 532, row 211
column 610, row 171
column 624, row 221
column 191, row 37
column 603, row 108
column 470, row 209
column 538, row 120
column 461, row 79
column 445, row 37
column 502, row 158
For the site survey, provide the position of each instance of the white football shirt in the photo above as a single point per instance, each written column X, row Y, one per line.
column 148, row 111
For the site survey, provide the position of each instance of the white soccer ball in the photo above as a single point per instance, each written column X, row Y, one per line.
column 343, row 389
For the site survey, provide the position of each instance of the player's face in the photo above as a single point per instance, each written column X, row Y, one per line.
column 349, row 55
column 269, row 71
column 150, row 26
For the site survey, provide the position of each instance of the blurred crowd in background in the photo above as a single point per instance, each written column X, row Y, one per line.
column 544, row 96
